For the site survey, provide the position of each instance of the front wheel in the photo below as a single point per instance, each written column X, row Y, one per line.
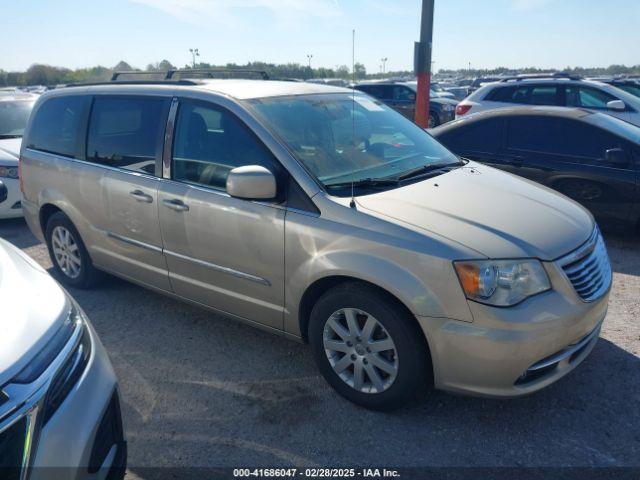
column 367, row 347
column 434, row 121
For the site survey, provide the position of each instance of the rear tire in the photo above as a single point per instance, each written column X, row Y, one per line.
column 70, row 258
column 368, row 348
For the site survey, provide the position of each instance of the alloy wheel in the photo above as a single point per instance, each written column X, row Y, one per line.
column 66, row 252
column 360, row 350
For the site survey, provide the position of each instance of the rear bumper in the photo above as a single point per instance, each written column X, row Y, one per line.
column 12, row 206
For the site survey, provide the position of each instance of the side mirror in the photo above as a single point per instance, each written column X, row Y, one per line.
column 251, row 182
column 617, row 105
column 616, row 157
column 3, row 191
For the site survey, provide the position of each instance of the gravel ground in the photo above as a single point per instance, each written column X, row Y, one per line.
column 201, row 390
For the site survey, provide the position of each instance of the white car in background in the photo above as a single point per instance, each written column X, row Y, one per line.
column 553, row 90
column 59, row 404
column 14, row 114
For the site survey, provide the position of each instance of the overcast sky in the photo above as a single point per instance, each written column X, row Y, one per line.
column 486, row 33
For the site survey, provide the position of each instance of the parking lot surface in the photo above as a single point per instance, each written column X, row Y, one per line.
column 202, row 390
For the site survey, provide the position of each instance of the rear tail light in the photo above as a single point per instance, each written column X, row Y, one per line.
column 462, row 109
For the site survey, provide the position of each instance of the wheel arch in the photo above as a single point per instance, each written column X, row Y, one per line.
column 314, row 291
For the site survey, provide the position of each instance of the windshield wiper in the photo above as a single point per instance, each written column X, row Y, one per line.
column 425, row 169
column 365, row 182
column 6, row 136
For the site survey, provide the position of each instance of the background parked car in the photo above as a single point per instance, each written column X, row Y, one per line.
column 590, row 157
column 59, row 402
column 631, row 86
column 553, row 90
column 14, row 113
column 401, row 96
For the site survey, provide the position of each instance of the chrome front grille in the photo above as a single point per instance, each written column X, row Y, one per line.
column 588, row 268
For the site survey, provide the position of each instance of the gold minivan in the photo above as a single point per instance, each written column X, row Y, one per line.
column 320, row 214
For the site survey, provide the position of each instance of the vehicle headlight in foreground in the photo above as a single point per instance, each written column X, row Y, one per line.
column 8, row 172
column 502, row 283
column 448, row 108
column 73, row 329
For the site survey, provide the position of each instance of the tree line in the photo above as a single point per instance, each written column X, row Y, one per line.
column 39, row 74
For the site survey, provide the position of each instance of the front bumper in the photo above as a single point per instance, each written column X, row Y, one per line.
column 12, row 206
column 509, row 352
column 83, row 438
column 67, row 443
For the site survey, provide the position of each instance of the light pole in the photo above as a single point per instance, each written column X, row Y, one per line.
column 309, row 57
column 384, row 64
column 194, row 54
column 422, row 58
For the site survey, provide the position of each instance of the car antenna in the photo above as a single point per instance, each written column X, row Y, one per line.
column 352, row 204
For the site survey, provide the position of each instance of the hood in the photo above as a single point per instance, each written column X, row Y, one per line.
column 10, row 150
column 492, row 212
column 32, row 310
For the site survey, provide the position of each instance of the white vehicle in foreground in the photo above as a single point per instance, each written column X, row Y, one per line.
column 59, row 405
column 553, row 90
column 14, row 113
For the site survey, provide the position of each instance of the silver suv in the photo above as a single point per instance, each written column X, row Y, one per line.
column 553, row 90
column 320, row 214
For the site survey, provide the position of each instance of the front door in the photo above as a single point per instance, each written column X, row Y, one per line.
column 223, row 252
column 126, row 135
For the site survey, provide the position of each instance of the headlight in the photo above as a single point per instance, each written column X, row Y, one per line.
column 36, row 367
column 448, row 108
column 8, row 172
column 501, row 282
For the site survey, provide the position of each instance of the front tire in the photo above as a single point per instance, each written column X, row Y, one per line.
column 70, row 258
column 434, row 121
column 368, row 348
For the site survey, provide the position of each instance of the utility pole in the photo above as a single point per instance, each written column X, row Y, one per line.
column 384, row 64
column 194, row 54
column 422, row 63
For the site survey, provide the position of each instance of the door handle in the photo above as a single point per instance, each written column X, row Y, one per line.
column 140, row 196
column 177, row 205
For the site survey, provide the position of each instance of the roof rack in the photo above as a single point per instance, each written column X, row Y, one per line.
column 193, row 72
column 537, row 76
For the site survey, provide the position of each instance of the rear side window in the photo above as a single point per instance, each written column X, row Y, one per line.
column 56, row 125
column 508, row 95
column 403, row 94
column 526, row 94
column 481, row 136
column 209, row 142
column 125, row 132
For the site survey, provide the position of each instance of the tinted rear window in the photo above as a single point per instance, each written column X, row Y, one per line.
column 56, row 124
column 480, row 136
column 124, row 132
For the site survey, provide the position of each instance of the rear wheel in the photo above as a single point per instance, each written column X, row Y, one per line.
column 68, row 253
column 367, row 347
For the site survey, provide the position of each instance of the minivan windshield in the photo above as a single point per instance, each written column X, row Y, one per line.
column 13, row 117
column 349, row 138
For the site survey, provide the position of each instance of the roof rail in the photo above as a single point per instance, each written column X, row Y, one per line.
column 536, row 76
column 193, row 72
